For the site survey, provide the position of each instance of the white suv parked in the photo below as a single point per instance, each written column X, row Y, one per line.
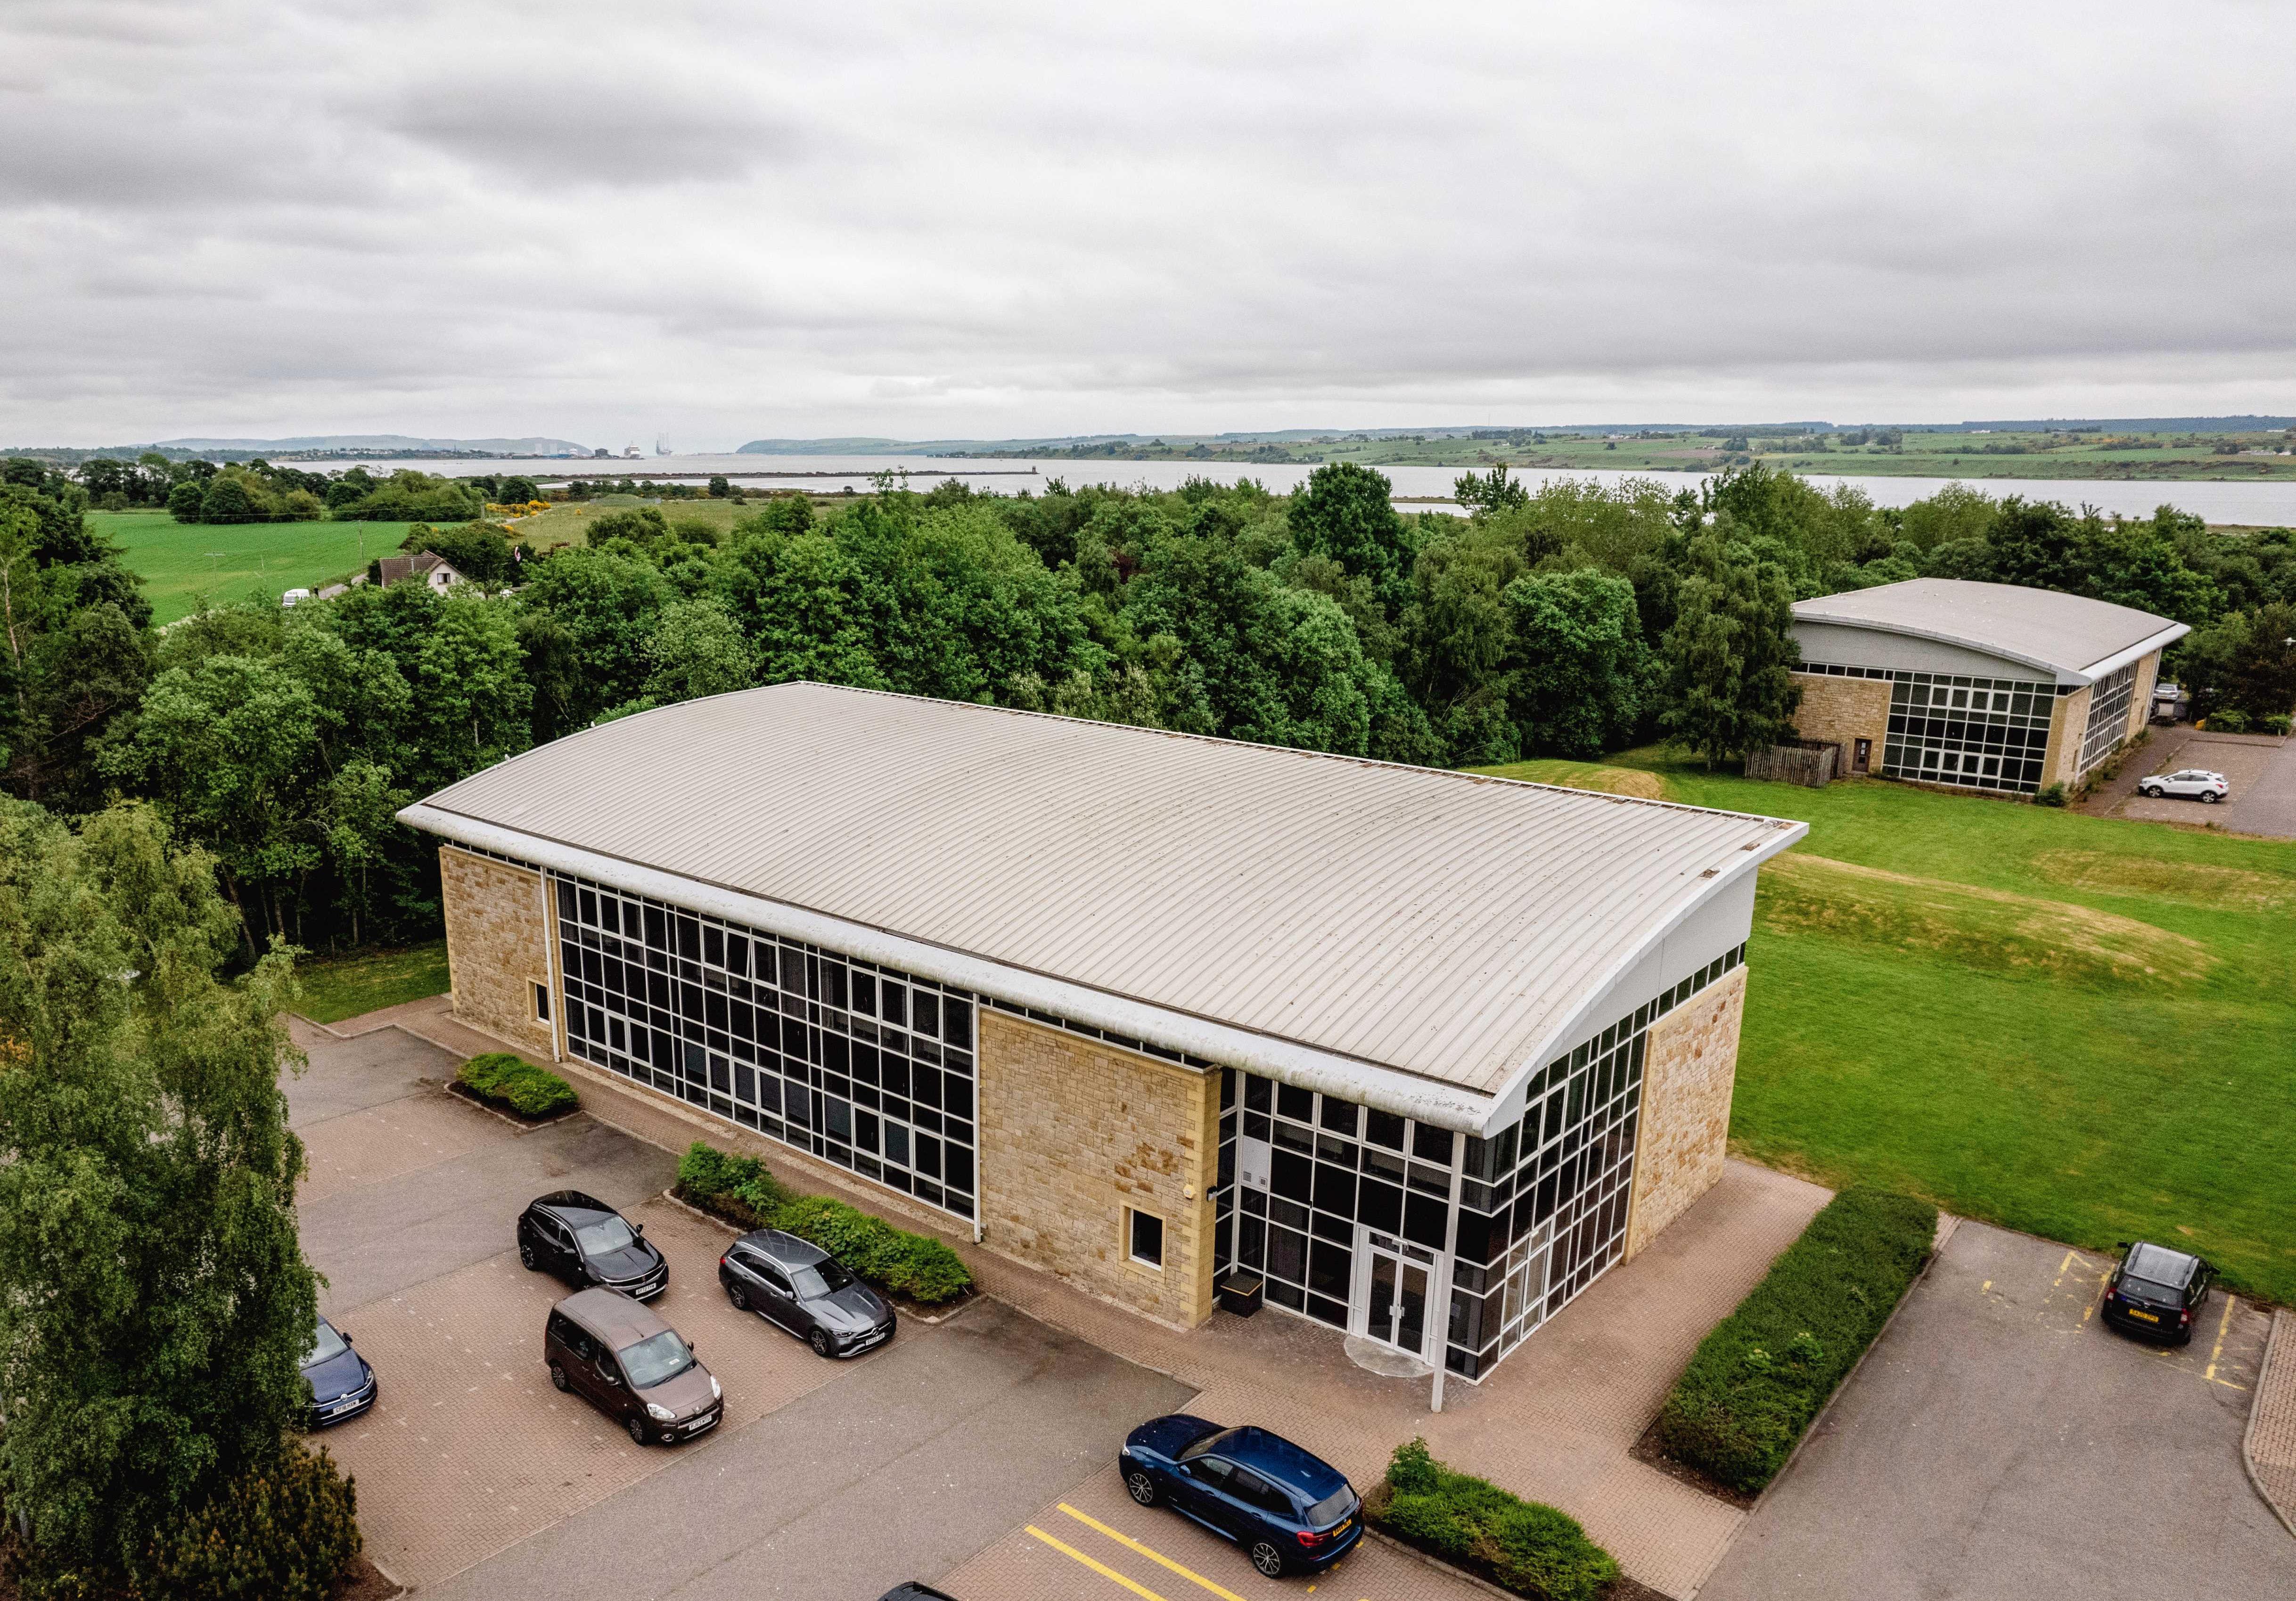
column 2193, row 783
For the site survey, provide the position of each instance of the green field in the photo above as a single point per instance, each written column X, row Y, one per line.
column 2078, row 1027
column 184, row 564
column 336, row 987
column 1957, row 456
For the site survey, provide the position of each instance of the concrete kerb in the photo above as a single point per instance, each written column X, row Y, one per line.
column 2281, row 1347
column 1946, row 1225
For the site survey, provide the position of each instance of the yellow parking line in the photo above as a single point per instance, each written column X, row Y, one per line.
column 1128, row 1541
column 2223, row 1324
column 1105, row 1570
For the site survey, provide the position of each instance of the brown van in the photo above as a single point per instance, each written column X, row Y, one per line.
column 631, row 1366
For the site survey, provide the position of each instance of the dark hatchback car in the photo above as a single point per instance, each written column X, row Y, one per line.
column 585, row 1241
column 2157, row 1293
column 1290, row 1512
column 799, row 1285
column 631, row 1366
column 342, row 1385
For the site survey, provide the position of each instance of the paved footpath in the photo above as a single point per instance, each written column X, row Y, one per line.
column 2270, row 1445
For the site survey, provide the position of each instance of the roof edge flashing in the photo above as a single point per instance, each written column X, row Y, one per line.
column 2136, row 652
column 1303, row 1066
column 1751, row 859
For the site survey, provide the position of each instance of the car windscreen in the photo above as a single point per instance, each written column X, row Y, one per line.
column 326, row 1344
column 2145, row 1289
column 824, row 1278
column 653, row 1360
column 606, row 1235
column 1331, row 1508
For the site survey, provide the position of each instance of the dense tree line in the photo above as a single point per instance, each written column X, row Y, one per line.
column 1569, row 621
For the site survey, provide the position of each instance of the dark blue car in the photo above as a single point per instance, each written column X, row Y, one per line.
column 1290, row 1512
column 342, row 1385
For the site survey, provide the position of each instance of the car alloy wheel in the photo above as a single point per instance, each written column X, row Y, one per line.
column 2208, row 798
column 1268, row 1559
column 557, row 1377
column 1142, row 1487
column 526, row 1256
column 734, row 1293
column 637, row 1432
column 819, row 1340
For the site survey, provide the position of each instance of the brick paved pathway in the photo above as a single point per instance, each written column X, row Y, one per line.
column 2271, row 1443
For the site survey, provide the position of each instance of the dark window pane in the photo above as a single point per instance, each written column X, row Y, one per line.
column 1287, row 1256
column 1424, row 1218
column 925, row 1019
column 893, row 1003
column 927, row 1160
column 832, row 983
column 1291, row 1177
column 959, row 1176
column 1341, row 1116
column 1335, row 1189
column 1328, row 1267
column 713, row 946
column 1381, row 1205
column 1258, row 1092
column 1431, row 1144
column 1383, row 1128
column 956, row 1022
column 1293, row 1101
column 865, row 993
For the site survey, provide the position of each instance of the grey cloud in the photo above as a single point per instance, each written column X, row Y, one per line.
column 577, row 218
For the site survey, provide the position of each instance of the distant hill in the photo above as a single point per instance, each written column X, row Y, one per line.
column 400, row 443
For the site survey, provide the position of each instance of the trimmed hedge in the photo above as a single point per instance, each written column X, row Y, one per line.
column 1761, row 1375
column 515, row 1083
column 916, row 1267
column 1525, row 1546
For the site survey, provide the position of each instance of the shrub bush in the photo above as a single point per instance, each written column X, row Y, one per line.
column 284, row 1530
column 1761, row 1375
column 2052, row 796
column 283, row 1533
column 2273, row 723
column 1471, row 1523
column 916, row 1267
column 2231, row 720
column 515, row 1083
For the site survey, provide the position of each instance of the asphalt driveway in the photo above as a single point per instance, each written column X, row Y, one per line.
column 1999, row 1443
column 2262, row 772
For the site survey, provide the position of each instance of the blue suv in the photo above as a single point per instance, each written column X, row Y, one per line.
column 1290, row 1512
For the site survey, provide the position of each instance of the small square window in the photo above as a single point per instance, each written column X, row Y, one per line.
column 541, row 1003
column 1147, row 1239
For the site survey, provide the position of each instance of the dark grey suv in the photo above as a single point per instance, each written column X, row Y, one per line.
column 799, row 1285
column 584, row 1242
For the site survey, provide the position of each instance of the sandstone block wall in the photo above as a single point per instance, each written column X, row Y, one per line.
column 2060, row 764
column 1847, row 709
column 497, row 946
column 1072, row 1133
column 1689, row 1067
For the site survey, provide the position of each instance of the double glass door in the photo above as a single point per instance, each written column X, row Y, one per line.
column 1398, row 1283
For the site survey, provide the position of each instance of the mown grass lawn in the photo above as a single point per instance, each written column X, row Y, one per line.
column 2079, row 1026
column 336, row 987
column 184, row 564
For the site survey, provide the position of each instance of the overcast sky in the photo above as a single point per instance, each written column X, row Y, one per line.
column 718, row 222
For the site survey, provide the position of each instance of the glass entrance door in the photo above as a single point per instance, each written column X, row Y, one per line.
column 1399, row 1279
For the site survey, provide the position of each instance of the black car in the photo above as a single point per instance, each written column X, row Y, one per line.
column 586, row 1242
column 342, row 1385
column 1290, row 1512
column 799, row 1285
column 2158, row 1292
column 914, row 1591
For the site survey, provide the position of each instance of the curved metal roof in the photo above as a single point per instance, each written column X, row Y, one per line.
column 2077, row 639
column 1440, row 923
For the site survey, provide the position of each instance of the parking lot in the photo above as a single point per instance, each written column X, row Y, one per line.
column 2261, row 771
column 966, row 1429
column 1999, row 1443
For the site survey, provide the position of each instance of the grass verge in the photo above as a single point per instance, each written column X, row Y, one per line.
column 1761, row 1375
column 336, row 987
column 916, row 1267
column 1523, row 1547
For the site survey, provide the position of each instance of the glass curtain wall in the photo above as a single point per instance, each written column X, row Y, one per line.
column 1985, row 733
column 864, row 1066
column 1542, row 1204
column 2108, row 715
